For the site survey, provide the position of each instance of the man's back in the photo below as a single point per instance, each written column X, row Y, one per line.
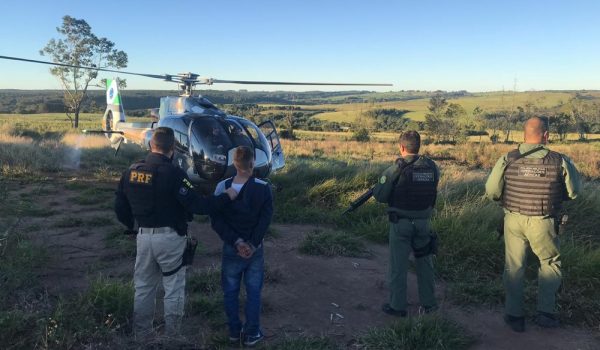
column 249, row 215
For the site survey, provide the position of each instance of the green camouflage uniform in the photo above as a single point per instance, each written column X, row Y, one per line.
column 538, row 232
column 411, row 232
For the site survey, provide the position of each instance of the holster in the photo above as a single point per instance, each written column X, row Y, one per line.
column 430, row 249
column 394, row 218
column 187, row 258
column 190, row 251
column 559, row 223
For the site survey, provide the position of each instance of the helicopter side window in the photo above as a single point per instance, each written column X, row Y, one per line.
column 259, row 139
column 238, row 135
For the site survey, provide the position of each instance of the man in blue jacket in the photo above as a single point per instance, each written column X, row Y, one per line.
column 242, row 225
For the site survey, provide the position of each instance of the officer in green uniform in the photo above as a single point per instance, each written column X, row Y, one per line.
column 409, row 187
column 531, row 182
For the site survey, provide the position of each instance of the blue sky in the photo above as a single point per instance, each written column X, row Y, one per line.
column 421, row 45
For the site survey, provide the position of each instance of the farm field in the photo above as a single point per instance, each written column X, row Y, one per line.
column 67, row 269
column 417, row 108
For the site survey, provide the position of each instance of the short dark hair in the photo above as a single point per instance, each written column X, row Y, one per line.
column 163, row 139
column 411, row 140
column 243, row 157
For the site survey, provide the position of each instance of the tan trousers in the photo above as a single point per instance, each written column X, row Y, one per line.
column 158, row 250
column 520, row 233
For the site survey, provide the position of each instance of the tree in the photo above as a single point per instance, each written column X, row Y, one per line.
column 493, row 121
column 441, row 122
column 80, row 47
column 290, row 121
column 578, row 113
column 560, row 123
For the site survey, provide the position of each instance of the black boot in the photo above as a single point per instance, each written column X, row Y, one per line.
column 387, row 308
column 547, row 320
column 517, row 324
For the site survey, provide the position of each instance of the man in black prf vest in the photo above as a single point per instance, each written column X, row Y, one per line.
column 160, row 198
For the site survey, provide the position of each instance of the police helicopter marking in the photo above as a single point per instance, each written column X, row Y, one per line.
column 205, row 135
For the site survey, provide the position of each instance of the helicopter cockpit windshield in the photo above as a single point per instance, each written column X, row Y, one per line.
column 210, row 146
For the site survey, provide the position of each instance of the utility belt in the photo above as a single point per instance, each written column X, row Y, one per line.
column 560, row 221
column 395, row 217
column 156, row 230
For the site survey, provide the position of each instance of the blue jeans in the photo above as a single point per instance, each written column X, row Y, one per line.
column 233, row 269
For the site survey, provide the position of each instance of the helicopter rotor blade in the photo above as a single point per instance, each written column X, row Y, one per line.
column 162, row 77
column 253, row 82
column 190, row 79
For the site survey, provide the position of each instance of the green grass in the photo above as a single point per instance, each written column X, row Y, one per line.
column 45, row 124
column 332, row 244
column 93, row 195
column 326, row 189
column 205, row 296
column 304, row 343
column 19, row 258
column 470, row 258
column 427, row 332
column 17, row 327
column 93, row 221
column 103, row 310
column 124, row 244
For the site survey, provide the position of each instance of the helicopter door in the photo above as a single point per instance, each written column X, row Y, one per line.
column 268, row 128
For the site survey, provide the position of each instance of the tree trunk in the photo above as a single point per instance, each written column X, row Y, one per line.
column 76, row 119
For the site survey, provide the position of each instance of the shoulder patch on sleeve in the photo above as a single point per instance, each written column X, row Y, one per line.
column 382, row 179
column 259, row 181
column 187, row 183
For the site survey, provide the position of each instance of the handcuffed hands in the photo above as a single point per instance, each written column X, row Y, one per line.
column 245, row 250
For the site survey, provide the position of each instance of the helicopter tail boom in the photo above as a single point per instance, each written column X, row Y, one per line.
column 114, row 113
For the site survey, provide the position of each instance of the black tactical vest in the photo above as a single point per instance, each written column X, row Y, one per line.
column 149, row 190
column 416, row 188
column 533, row 186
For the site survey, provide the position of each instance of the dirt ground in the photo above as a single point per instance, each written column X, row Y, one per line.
column 310, row 296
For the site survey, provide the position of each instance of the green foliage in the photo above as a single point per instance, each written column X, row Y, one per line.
column 332, row 244
column 327, row 188
column 427, row 332
column 105, row 309
column 79, row 46
column 23, row 159
column 124, row 244
column 16, row 329
column 361, row 135
column 387, row 119
column 305, row 343
column 442, row 121
column 18, row 259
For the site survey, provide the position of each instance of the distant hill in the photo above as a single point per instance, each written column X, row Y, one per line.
column 50, row 101
column 338, row 106
column 487, row 101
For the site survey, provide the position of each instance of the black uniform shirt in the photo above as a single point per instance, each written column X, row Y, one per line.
column 156, row 193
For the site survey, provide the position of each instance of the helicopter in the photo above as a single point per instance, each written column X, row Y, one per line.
column 205, row 135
